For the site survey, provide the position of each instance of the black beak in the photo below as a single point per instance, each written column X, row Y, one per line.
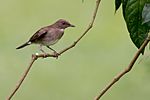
column 72, row 25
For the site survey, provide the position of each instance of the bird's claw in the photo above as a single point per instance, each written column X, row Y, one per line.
column 44, row 55
column 56, row 54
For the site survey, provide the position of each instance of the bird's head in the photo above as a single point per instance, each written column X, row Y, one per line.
column 62, row 24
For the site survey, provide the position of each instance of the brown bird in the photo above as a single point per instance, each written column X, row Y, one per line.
column 48, row 35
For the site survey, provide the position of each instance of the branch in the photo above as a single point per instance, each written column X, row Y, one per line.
column 126, row 70
column 22, row 78
column 36, row 56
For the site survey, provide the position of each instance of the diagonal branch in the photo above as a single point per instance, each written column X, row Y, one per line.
column 35, row 56
column 22, row 78
column 126, row 70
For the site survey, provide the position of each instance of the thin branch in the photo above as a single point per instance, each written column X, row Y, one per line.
column 35, row 56
column 126, row 70
column 22, row 78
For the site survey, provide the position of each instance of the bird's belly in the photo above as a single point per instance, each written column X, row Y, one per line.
column 49, row 42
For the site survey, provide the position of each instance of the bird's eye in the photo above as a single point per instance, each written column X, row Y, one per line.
column 63, row 23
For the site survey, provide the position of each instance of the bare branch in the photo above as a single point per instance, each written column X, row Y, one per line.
column 22, row 78
column 35, row 57
column 126, row 70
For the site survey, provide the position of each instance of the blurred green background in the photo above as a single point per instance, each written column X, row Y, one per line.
column 83, row 71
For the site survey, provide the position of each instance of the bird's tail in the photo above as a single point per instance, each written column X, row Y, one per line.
column 23, row 45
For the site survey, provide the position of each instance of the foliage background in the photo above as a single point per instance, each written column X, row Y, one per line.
column 80, row 73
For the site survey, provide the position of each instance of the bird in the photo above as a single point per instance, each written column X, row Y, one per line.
column 48, row 35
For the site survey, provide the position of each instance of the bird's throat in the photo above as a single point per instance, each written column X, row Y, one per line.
column 62, row 30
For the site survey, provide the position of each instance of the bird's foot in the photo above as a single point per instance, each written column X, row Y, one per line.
column 56, row 54
column 44, row 55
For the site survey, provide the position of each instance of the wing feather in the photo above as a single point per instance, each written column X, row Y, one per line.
column 39, row 34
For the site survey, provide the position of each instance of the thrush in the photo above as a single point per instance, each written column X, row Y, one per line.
column 48, row 35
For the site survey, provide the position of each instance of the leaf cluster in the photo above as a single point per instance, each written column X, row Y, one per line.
column 136, row 14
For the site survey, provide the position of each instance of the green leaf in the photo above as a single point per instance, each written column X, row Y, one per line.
column 124, row 3
column 132, row 12
column 117, row 4
column 146, row 14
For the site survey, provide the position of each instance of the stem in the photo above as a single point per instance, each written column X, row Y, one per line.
column 126, row 70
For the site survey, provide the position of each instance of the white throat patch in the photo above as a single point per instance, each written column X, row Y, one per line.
column 62, row 30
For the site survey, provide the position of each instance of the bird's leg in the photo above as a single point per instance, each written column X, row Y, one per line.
column 50, row 48
column 40, row 47
column 55, row 53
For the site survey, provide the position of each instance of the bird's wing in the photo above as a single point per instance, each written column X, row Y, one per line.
column 40, row 33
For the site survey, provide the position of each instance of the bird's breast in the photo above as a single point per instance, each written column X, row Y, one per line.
column 52, row 37
column 48, row 43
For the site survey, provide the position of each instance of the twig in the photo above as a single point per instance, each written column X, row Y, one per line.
column 35, row 57
column 22, row 78
column 126, row 70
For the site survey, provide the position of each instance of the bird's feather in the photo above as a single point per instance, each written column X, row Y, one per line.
column 23, row 45
column 39, row 34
